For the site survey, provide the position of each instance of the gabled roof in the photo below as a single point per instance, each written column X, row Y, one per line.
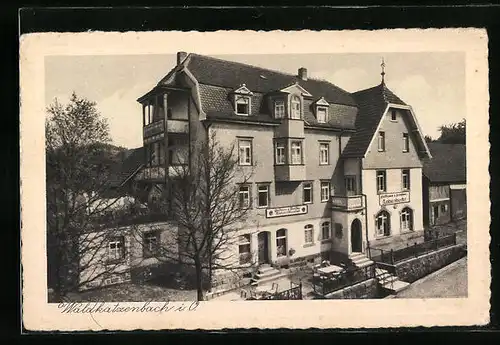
column 372, row 104
column 448, row 163
column 228, row 74
column 124, row 170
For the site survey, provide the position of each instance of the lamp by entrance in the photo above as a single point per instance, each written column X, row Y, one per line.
column 356, row 236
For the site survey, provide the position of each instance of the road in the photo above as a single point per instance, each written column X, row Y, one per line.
column 450, row 281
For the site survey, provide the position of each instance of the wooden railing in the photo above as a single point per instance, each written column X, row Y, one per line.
column 344, row 279
column 294, row 293
column 394, row 256
column 153, row 128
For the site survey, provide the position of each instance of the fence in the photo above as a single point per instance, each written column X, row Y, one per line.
column 394, row 256
column 345, row 278
column 294, row 293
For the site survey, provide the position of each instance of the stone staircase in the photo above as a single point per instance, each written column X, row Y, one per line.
column 265, row 274
column 360, row 260
column 389, row 281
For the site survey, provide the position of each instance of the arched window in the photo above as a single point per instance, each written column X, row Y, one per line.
column 295, row 108
column 407, row 219
column 281, row 242
column 309, row 234
column 383, row 223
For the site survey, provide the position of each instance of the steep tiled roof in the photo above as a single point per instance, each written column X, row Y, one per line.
column 123, row 170
column 448, row 163
column 228, row 74
column 371, row 103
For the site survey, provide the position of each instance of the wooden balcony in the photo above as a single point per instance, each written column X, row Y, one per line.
column 347, row 203
column 151, row 173
column 153, row 128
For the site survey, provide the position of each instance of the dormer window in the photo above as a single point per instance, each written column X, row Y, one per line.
column 242, row 105
column 322, row 110
column 242, row 100
column 279, row 109
column 321, row 114
column 295, row 112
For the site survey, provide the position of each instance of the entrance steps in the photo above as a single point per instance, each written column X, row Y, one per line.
column 360, row 260
column 265, row 274
column 389, row 281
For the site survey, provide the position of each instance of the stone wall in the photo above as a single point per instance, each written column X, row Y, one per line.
column 364, row 290
column 416, row 268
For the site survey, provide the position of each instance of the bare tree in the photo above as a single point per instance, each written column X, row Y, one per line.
column 206, row 206
column 75, row 183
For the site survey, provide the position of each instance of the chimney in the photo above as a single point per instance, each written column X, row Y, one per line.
column 180, row 57
column 303, row 73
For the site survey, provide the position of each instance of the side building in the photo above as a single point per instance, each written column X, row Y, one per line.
column 444, row 180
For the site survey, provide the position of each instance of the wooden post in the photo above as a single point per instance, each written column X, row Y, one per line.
column 454, row 238
column 392, row 257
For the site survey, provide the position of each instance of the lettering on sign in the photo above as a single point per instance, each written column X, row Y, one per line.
column 286, row 211
column 394, row 198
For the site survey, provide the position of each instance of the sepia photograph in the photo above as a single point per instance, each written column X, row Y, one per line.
column 193, row 176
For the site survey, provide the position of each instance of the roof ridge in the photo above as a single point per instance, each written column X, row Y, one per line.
column 269, row 70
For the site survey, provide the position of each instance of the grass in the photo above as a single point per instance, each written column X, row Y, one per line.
column 130, row 292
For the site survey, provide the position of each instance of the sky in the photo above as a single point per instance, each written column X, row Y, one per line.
column 432, row 83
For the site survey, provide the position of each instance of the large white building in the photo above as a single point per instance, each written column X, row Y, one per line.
column 334, row 172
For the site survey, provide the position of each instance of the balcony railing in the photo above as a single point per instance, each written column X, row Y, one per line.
column 153, row 128
column 151, row 173
column 177, row 126
column 347, row 203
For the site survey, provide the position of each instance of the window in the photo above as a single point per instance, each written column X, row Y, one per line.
column 324, row 153
column 244, row 249
column 325, row 191
column 243, row 106
column 350, row 185
column 444, row 208
column 280, row 153
column 116, row 248
column 244, row 195
column 407, row 219
column 308, row 234
column 295, row 108
column 150, row 245
column 405, row 176
column 381, row 141
column 381, row 181
column 321, row 114
column 263, row 200
column 245, row 152
column 406, row 143
column 281, row 242
column 307, row 193
column 393, row 115
column 325, row 231
column 383, row 224
column 435, row 214
column 279, row 109
column 296, row 152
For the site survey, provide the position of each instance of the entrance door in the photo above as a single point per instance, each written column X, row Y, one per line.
column 263, row 239
column 356, row 237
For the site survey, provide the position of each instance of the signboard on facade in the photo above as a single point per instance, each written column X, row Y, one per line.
column 286, row 211
column 394, row 198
